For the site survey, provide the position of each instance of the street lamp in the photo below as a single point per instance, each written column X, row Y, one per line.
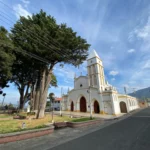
column 60, row 103
column 4, row 94
column 52, row 98
column 89, row 91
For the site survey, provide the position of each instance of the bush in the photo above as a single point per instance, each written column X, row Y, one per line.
column 30, row 113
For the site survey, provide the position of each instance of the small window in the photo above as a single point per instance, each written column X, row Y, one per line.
column 80, row 85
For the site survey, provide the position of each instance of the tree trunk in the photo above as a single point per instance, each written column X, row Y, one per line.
column 36, row 101
column 43, row 94
column 43, row 105
column 21, row 98
column 37, row 94
column 41, row 98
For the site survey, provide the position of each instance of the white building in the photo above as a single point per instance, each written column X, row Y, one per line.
column 57, row 103
column 92, row 91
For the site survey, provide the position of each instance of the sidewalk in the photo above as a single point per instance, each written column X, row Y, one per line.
column 80, row 114
column 59, row 136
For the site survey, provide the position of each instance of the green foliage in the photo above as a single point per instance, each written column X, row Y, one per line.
column 53, row 81
column 41, row 35
column 6, row 57
column 10, row 106
column 30, row 113
column 51, row 97
column 48, row 104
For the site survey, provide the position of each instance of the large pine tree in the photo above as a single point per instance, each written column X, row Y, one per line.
column 6, row 57
column 41, row 35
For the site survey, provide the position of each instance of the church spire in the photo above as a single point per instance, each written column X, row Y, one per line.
column 93, row 54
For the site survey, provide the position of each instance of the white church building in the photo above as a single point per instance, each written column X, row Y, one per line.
column 93, row 93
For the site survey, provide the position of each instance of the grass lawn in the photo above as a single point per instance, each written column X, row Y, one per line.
column 14, row 125
column 5, row 116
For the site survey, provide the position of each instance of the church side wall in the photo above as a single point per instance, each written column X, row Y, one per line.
column 131, row 102
column 107, row 104
column 115, row 104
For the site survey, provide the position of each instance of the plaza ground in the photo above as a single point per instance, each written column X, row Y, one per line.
column 130, row 132
column 8, row 124
column 87, row 114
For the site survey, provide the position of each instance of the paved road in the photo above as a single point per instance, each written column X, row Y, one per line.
column 132, row 133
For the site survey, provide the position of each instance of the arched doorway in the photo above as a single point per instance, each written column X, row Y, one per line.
column 82, row 104
column 72, row 106
column 123, row 107
column 96, row 107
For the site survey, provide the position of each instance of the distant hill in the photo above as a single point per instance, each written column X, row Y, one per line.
column 141, row 94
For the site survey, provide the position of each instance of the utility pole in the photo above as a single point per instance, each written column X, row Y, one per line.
column 89, row 91
column 60, row 102
column 128, row 104
column 3, row 98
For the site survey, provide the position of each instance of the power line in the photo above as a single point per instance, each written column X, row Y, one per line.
column 30, row 31
column 37, row 37
column 44, row 41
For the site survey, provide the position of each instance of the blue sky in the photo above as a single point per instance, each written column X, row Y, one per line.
column 119, row 30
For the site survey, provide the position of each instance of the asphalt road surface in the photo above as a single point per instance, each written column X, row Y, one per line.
column 132, row 133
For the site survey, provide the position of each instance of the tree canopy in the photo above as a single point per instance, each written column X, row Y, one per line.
column 55, row 43
column 6, row 57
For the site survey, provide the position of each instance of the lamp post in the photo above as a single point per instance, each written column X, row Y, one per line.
column 60, row 103
column 52, row 98
column 4, row 94
column 89, row 91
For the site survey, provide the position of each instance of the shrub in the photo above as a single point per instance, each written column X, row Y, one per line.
column 30, row 113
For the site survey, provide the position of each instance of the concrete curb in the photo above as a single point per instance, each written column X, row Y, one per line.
column 83, row 124
column 17, row 136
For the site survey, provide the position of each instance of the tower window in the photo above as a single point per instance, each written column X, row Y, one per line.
column 91, row 80
column 89, row 70
column 94, row 69
column 95, row 80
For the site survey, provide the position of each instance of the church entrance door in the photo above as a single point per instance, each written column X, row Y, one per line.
column 82, row 104
column 123, row 107
column 96, row 107
column 72, row 106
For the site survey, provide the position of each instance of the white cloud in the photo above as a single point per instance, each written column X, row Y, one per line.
column 113, row 73
column 25, row 2
column 108, row 58
column 113, row 79
column 147, row 65
column 144, row 32
column 141, row 32
column 20, row 11
column 131, row 50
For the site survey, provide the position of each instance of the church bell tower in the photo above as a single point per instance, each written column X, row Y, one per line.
column 95, row 71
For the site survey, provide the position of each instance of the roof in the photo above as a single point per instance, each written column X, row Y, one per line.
column 93, row 54
column 58, row 98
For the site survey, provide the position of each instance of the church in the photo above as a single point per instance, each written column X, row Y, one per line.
column 92, row 93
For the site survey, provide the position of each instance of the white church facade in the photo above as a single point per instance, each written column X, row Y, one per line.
column 93, row 93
